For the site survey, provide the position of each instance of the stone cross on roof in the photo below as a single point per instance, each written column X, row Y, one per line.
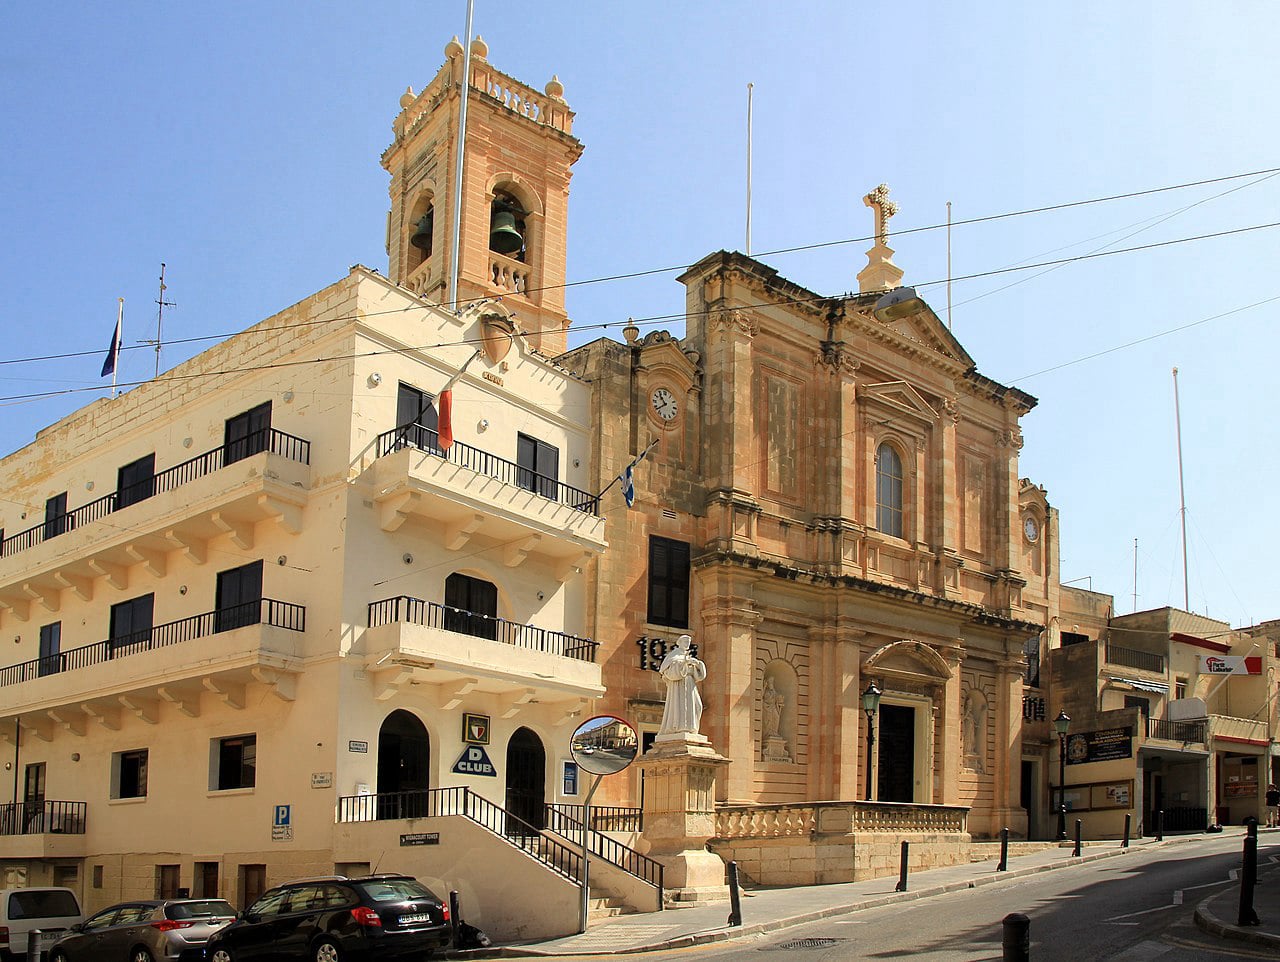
column 881, row 273
column 878, row 200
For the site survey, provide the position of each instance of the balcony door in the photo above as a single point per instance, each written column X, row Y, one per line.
column 239, row 600
column 56, row 519
column 417, row 420
column 538, row 466
column 131, row 624
column 136, row 481
column 247, row 434
column 33, row 798
column 50, row 649
column 471, row 606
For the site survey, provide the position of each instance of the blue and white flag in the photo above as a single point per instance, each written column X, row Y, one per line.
column 627, row 479
column 113, row 353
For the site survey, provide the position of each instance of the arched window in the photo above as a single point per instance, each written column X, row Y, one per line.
column 404, row 766
column 507, row 230
column 888, row 491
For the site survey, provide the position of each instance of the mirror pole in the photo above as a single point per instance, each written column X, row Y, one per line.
column 586, row 856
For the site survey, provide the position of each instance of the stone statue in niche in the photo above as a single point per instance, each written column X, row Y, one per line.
column 973, row 731
column 682, row 672
column 773, row 702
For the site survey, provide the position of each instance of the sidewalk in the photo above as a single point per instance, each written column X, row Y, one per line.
column 771, row 909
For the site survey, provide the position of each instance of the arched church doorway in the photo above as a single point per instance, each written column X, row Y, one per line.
column 404, row 766
column 526, row 780
column 897, row 753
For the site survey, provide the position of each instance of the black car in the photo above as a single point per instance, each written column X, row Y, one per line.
column 382, row 917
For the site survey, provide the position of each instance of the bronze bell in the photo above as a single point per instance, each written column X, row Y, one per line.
column 421, row 238
column 504, row 236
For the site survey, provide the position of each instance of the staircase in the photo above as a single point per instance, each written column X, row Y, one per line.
column 617, row 870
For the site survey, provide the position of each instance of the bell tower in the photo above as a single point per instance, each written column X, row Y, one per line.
column 515, row 193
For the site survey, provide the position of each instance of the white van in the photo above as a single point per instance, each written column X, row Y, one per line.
column 51, row 910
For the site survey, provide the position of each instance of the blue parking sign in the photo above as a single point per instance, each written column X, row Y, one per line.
column 282, row 815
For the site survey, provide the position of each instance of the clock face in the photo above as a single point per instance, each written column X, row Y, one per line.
column 1031, row 529
column 664, row 404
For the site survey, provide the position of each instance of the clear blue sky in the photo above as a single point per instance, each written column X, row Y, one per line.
column 239, row 143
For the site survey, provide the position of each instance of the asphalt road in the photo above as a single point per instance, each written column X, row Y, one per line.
column 1133, row 909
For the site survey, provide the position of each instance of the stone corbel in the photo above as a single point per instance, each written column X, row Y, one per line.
column 391, row 681
column 232, row 694
column 450, row 696
column 70, row 719
column 241, row 531
column 283, row 684
column 43, row 730
column 117, row 575
column 195, row 548
column 458, row 532
column 145, row 708
column 187, row 702
column 515, row 553
column 567, row 711
column 19, row 608
column 289, row 515
column 108, row 718
column 394, row 510
column 514, row 702
column 50, row 600
column 574, row 564
column 81, row 586
column 155, row 561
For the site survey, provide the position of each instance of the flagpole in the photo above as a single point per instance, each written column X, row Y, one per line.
column 640, row 457
column 456, row 256
column 119, row 340
column 404, row 428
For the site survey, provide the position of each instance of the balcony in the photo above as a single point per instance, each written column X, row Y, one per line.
column 1132, row 658
column 1185, row 732
column 225, row 491
column 411, row 641
column 470, row 493
column 42, row 829
column 253, row 642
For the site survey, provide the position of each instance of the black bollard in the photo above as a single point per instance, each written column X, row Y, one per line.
column 1128, row 819
column 1076, row 851
column 1004, row 851
column 735, row 898
column 455, row 915
column 902, row 871
column 1017, row 938
column 1248, row 873
column 1251, row 827
column 1159, row 824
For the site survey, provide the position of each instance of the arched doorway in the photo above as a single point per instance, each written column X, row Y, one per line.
column 404, row 766
column 526, row 780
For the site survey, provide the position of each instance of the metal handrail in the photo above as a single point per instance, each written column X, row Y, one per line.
column 490, row 465
column 268, row 439
column 43, row 817
column 604, row 847
column 1132, row 658
column 433, row 615
column 460, row 800
column 1177, row 731
column 605, row 818
column 265, row 611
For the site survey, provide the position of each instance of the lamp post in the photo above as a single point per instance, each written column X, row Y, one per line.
column 1061, row 725
column 870, row 705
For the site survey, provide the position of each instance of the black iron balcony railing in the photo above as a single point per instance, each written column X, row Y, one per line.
column 42, row 817
column 430, row 803
column 1132, row 658
column 432, row 615
column 1177, row 731
column 276, row 442
column 490, row 465
column 265, row 611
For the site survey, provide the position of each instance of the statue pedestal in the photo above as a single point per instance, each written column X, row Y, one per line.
column 680, row 815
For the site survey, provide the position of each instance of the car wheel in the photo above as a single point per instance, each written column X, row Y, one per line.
column 141, row 954
column 58, row 957
column 327, row 951
column 222, row 954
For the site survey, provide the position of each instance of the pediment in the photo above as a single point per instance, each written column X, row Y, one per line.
column 924, row 332
column 902, row 397
column 912, row 659
column 660, row 351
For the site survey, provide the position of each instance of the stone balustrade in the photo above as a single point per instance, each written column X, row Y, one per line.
column 838, row 818
column 508, row 274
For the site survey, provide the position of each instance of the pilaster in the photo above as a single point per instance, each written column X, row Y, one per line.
column 729, row 650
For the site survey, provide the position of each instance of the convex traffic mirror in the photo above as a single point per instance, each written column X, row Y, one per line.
column 604, row 745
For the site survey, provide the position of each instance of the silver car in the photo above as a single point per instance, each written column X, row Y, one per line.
column 157, row 930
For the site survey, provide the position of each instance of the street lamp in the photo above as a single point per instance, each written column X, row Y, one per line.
column 870, row 705
column 1061, row 725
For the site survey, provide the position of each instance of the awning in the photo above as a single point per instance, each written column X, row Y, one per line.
column 1141, row 685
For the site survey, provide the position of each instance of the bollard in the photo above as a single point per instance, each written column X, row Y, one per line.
column 1248, row 873
column 1017, row 938
column 455, row 915
column 1127, row 820
column 902, row 870
column 1159, row 824
column 1076, row 852
column 1251, row 828
column 1004, row 851
column 35, row 952
column 735, row 898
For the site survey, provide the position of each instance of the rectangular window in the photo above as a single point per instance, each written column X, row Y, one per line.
column 97, row 876
column 167, row 881
column 129, row 774
column 235, row 762
column 668, row 582
column 131, row 624
column 538, row 466
column 247, row 434
column 239, row 597
column 56, row 519
column 1031, row 649
column 417, row 419
column 136, row 481
column 1073, row 638
column 1135, row 701
column 1180, row 688
column 50, row 649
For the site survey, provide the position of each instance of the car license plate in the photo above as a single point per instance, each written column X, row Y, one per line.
column 47, row 939
column 411, row 919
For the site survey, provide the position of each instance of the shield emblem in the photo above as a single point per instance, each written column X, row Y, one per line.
column 496, row 333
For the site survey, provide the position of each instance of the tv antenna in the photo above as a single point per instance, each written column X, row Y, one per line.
column 162, row 303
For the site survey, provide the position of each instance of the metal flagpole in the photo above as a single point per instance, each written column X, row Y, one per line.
column 639, row 457
column 1182, row 495
column 948, row 265
column 750, row 87
column 457, row 173
column 119, row 343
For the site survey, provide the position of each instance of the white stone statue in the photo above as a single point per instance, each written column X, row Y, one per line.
column 682, row 672
column 773, row 703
